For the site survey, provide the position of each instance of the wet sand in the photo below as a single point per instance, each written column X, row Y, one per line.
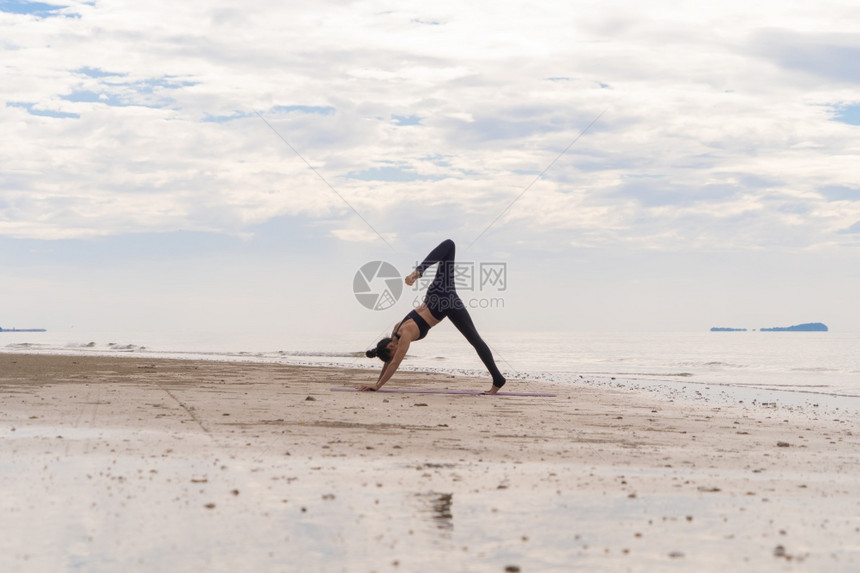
column 121, row 463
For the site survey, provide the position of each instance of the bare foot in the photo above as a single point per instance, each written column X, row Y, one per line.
column 492, row 390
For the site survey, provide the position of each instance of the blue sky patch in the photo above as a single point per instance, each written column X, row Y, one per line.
column 840, row 193
column 309, row 109
column 655, row 193
column 855, row 228
column 85, row 96
column 849, row 114
column 97, row 73
column 406, row 119
column 167, row 83
column 39, row 9
column 391, row 173
column 128, row 91
column 440, row 160
column 33, row 110
column 209, row 118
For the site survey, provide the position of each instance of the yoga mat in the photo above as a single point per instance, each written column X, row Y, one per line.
column 466, row 392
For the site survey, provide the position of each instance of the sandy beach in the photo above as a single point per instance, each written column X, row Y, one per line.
column 122, row 463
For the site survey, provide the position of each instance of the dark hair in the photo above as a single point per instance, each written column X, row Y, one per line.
column 381, row 351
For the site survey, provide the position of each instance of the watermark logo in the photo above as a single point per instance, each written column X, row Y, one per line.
column 377, row 285
column 475, row 281
column 494, row 276
column 470, row 277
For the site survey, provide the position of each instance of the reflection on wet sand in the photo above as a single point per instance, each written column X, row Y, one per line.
column 439, row 506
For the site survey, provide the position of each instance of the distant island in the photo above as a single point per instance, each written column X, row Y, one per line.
column 22, row 329
column 806, row 327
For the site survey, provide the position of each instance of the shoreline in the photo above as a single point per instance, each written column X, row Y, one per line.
column 142, row 464
column 671, row 387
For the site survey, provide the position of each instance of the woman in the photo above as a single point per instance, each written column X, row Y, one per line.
column 441, row 301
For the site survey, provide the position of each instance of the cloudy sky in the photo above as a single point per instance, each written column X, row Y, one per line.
column 216, row 163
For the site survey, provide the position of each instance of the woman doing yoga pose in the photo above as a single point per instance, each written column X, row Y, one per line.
column 441, row 301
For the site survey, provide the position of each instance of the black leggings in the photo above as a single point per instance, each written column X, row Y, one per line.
column 442, row 300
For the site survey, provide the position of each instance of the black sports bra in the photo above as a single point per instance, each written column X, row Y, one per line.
column 423, row 327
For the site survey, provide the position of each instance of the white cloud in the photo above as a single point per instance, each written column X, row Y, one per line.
column 719, row 119
column 359, row 235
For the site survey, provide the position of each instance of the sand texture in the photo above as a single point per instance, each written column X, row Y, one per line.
column 127, row 464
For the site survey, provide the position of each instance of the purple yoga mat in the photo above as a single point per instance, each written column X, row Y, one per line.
column 467, row 392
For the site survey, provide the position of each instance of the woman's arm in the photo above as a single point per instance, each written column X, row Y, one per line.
column 413, row 276
column 385, row 367
column 390, row 367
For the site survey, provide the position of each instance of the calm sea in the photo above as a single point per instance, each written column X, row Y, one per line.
column 791, row 368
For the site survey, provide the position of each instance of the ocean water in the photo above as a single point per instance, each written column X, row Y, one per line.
column 814, row 369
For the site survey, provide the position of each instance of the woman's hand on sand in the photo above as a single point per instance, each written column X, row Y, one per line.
column 414, row 276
